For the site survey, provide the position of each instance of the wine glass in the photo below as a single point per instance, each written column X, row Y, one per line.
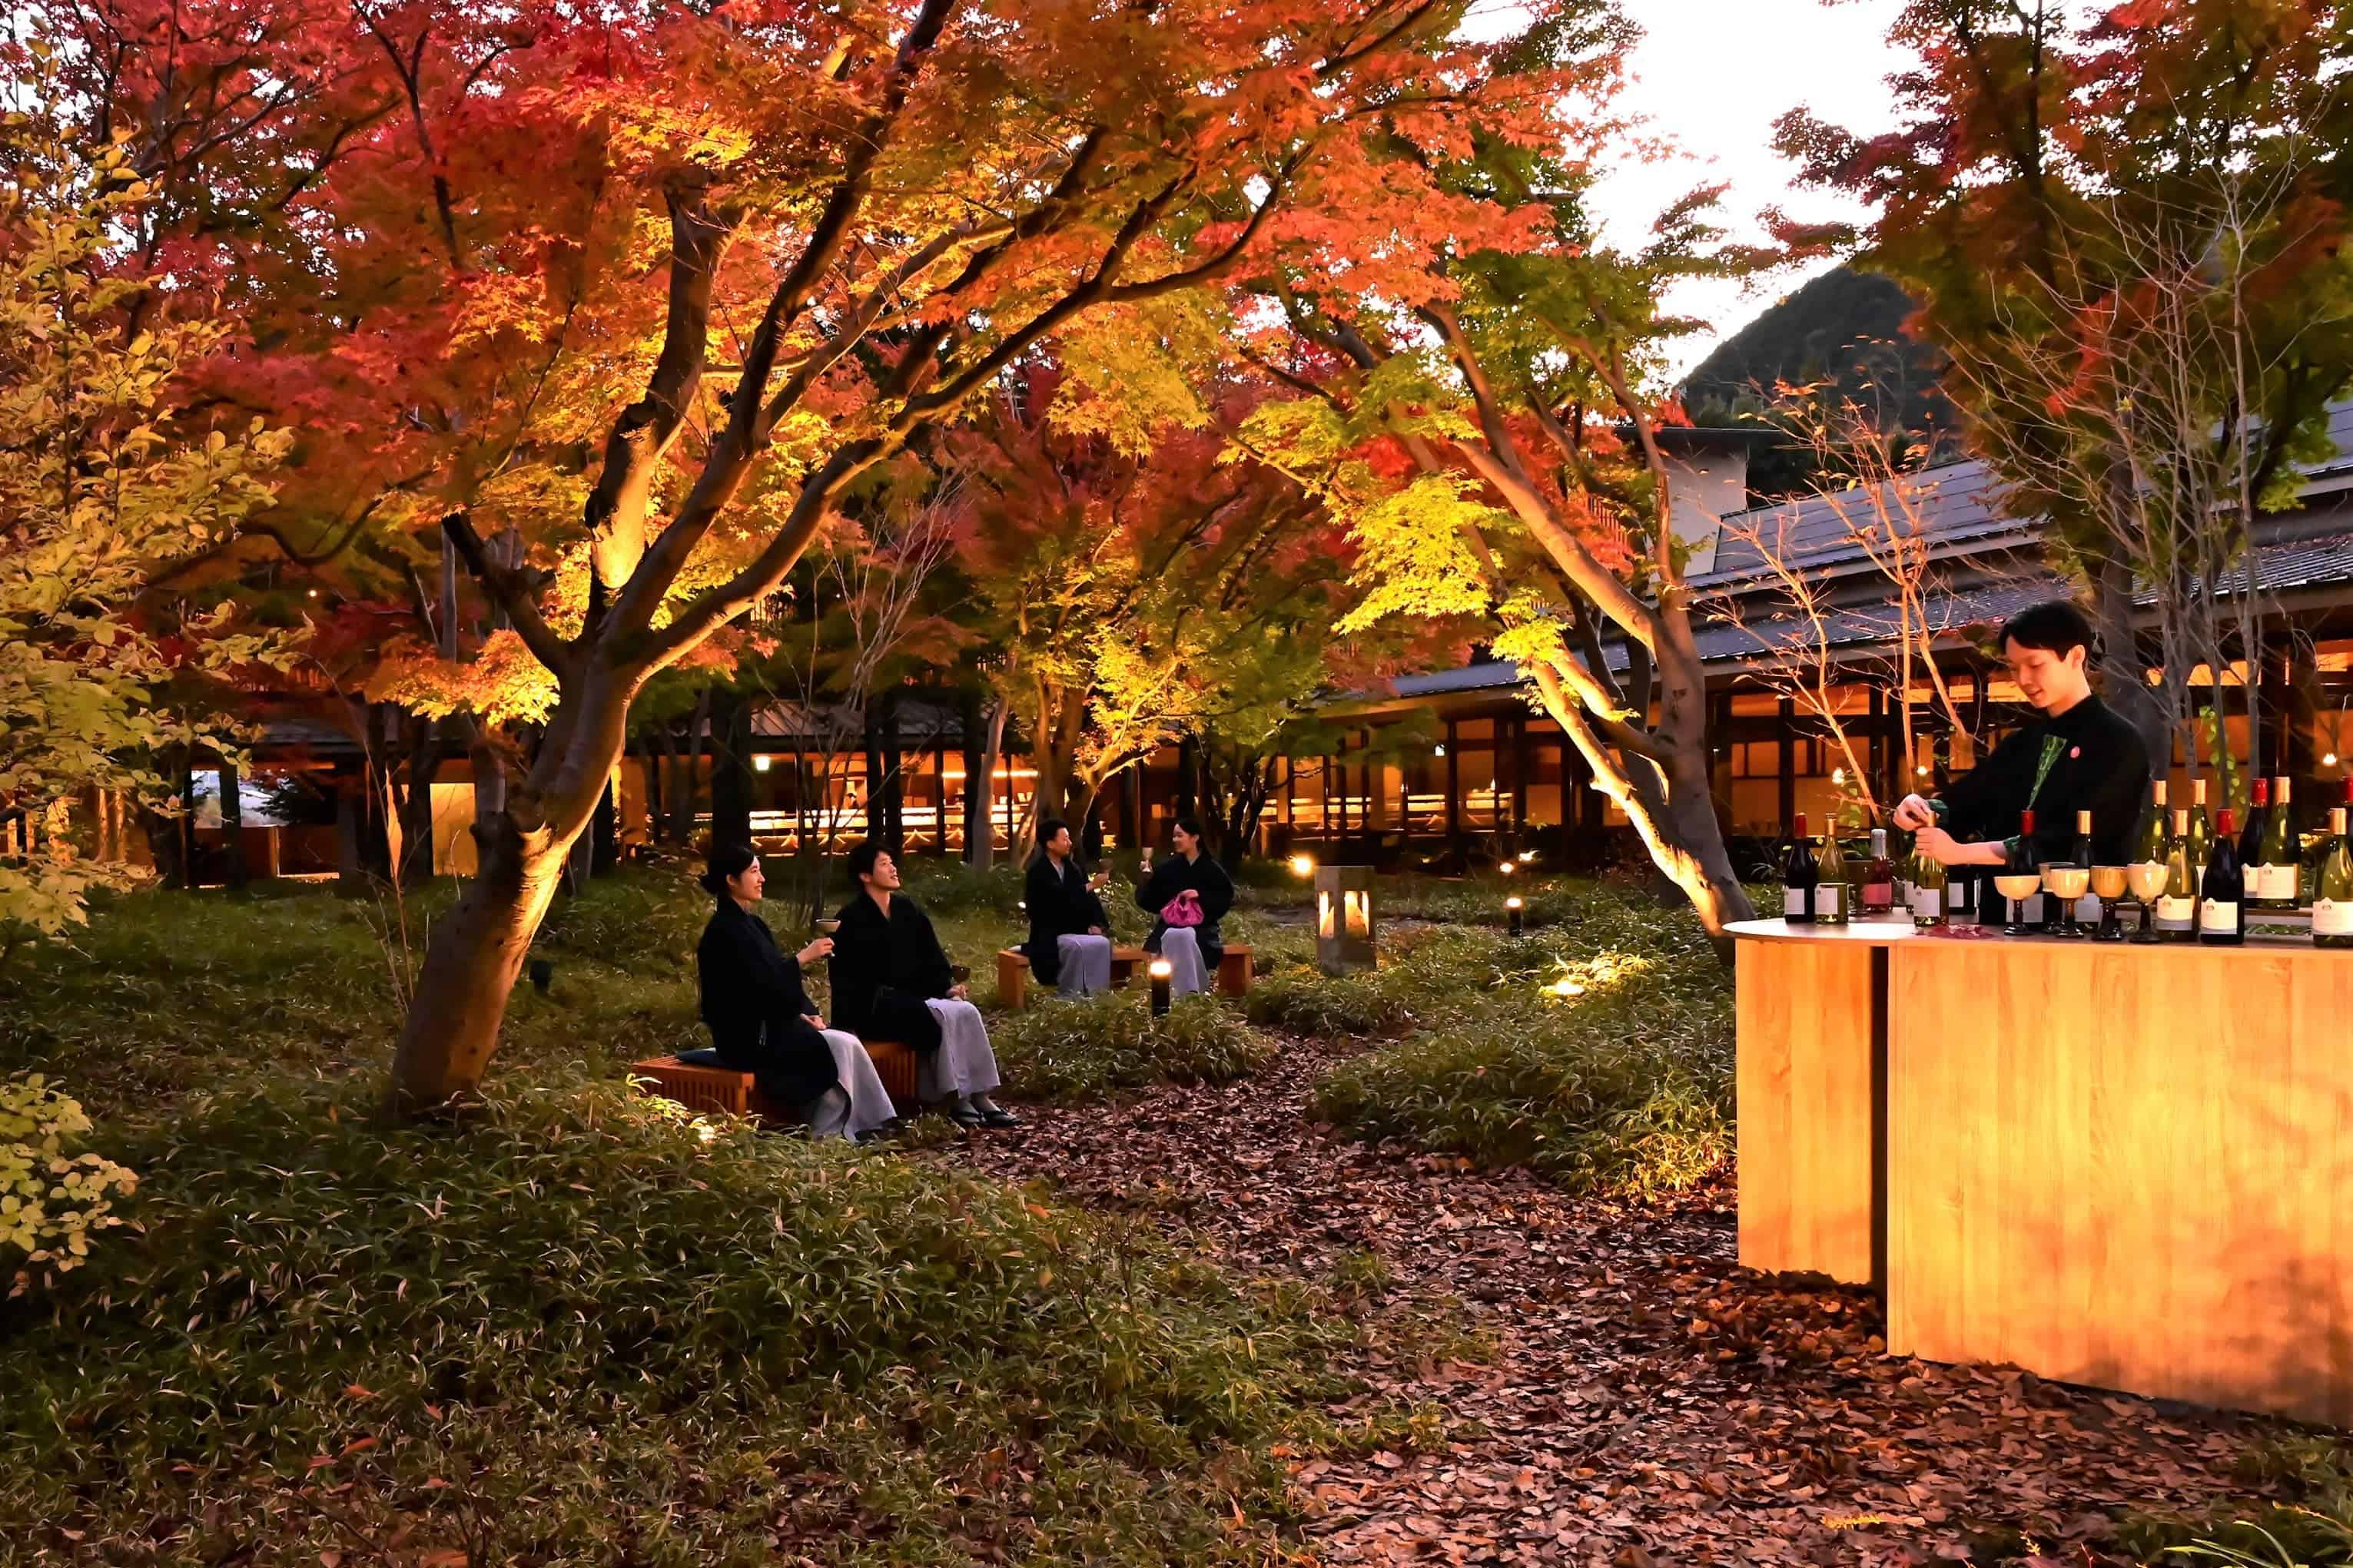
column 2016, row 887
column 2064, row 883
column 2108, row 882
column 2145, row 880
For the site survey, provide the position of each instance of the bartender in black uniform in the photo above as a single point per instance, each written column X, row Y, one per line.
column 2081, row 756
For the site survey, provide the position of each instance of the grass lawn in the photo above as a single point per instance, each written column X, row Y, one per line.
column 585, row 1328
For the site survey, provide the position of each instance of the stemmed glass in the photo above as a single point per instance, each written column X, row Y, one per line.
column 2016, row 887
column 2064, row 883
column 2108, row 882
column 2145, row 880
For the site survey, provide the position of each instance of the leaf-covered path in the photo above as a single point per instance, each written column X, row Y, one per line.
column 1645, row 1402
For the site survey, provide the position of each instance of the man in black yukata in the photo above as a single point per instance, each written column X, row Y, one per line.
column 2081, row 756
column 1070, row 940
column 891, row 981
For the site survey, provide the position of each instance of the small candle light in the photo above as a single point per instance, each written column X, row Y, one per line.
column 1439, row 750
column 760, row 765
column 1922, row 771
column 1507, row 867
column 1515, row 914
column 1527, row 857
column 1303, row 865
column 1161, row 972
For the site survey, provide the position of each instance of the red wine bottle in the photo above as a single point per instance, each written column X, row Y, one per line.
column 1799, row 876
column 2222, row 891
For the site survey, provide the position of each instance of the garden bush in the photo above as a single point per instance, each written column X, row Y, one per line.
column 1624, row 1086
column 1079, row 1049
column 585, row 1328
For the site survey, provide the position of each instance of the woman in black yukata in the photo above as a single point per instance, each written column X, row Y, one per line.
column 762, row 1020
column 1186, row 895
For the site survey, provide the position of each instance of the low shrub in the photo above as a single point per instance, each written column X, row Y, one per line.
column 583, row 1326
column 2307, row 1523
column 1622, row 1084
column 1080, row 1049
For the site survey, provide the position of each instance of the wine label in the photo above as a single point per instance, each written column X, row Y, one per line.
column 1928, row 903
column 1879, row 895
column 1834, row 903
column 2176, row 914
column 2274, row 882
column 1793, row 903
column 2215, row 915
column 2332, row 917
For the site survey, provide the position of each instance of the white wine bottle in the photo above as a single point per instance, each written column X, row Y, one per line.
column 2202, row 832
column 2332, row 889
column 2272, row 879
column 2177, row 906
column 1927, row 892
column 1834, row 896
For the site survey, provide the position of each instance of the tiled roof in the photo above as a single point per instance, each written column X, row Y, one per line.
column 1958, row 505
column 1954, row 503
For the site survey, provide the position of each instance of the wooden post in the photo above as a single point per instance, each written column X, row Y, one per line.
column 1453, row 790
column 232, row 810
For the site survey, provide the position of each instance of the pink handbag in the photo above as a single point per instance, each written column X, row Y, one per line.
column 1184, row 910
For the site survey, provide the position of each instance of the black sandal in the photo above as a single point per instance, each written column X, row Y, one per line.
column 966, row 1116
column 997, row 1116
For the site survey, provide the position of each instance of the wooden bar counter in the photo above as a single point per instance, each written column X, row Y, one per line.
column 2120, row 1165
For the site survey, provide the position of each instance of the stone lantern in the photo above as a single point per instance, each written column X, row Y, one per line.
column 1343, row 918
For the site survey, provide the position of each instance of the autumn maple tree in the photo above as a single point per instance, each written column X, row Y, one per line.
column 1486, row 415
column 1134, row 589
column 2127, row 229
column 663, row 281
column 97, row 491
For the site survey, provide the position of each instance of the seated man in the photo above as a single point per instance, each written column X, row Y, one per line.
column 762, row 1020
column 1069, row 947
column 891, row 981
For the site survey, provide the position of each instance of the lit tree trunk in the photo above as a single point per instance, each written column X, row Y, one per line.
column 476, row 953
column 980, row 788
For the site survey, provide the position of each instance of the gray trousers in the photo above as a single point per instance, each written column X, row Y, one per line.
column 964, row 1064
column 857, row 1104
column 1085, row 965
column 1189, row 973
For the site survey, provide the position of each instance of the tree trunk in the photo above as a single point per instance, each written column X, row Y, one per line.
column 2123, row 686
column 605, row 831
column 731, row 769
column 980, row 790
column 422, row 738
column 477, row 951
column 1670, row 801
column 232, row 807
column 681, row 822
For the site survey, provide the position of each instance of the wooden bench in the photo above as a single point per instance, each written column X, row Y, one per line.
column 737, row 1093
column 1126, row 964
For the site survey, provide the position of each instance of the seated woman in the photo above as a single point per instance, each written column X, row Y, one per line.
column 761, row 1017
column 1185, row 929
column 1069, row 944
column 891, row 981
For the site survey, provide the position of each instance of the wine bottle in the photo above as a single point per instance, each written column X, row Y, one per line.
column 2150, row 843
column 1833, row 891
column 2021, row 875
column 1927, row 892
column 2273, row 883
column 2332, row 889
column 2251, row 837
column 1878, row 877
column 2201, row 830
column 1799, row 876
column 1907, row 869
column 2177, row 906
column 2223, row 889
column 2087, row 908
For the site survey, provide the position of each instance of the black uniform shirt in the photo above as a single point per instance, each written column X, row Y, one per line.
column 2086, row 759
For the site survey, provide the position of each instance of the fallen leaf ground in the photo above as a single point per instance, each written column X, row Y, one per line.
column 1626, row 1394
